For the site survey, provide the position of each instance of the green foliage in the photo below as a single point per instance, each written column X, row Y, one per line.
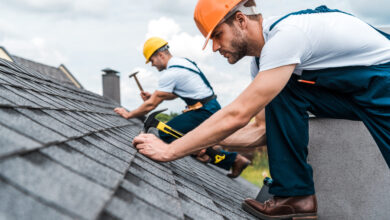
column 258, row 170
column 165, row 117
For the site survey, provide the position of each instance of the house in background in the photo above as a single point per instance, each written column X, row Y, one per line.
column 60, row 74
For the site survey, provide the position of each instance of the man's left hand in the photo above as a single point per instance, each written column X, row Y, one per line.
column 154, row 148
column 122, row 112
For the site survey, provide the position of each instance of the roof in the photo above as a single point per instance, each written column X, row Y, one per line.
column 66, row 155
column 60, row 74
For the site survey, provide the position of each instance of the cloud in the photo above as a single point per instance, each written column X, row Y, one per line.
column 82, row 7
column 36, row 48
column 178, row 7
column 163, row 27
column 181, row 43
column 376, row 11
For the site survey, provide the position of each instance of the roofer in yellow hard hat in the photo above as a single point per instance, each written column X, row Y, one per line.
column 181, row 77
column 321, row 60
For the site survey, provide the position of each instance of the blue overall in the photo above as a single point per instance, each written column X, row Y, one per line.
column 357, row 93
column 189, row 120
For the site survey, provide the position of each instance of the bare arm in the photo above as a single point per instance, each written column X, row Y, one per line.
column 151, row 103
column 252, row 135
column 236, row 115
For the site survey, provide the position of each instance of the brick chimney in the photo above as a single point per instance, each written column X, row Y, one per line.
column 111, row 84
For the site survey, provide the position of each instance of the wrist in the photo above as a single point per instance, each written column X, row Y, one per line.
column 171, row 153
column 128, row 115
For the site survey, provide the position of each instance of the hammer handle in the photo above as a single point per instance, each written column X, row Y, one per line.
column 138, row 84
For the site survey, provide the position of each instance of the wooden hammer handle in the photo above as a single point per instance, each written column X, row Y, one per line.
column 138, row 84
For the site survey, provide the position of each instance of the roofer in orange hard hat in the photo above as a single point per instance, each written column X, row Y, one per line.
column 181, row 77
column 321, row 60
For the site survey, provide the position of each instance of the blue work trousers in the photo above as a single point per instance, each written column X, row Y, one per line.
column 359, row 93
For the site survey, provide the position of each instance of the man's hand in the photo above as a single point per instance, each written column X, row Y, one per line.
column 122, row 112
column 145, row 95
column 202, row 156
column 154, row 148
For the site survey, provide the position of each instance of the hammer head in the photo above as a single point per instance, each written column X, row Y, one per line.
column 133, row 74
column 151, row 121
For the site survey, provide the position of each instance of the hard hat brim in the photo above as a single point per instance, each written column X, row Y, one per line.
column 207, row 39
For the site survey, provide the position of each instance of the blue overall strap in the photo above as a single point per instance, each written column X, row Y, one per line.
column 386, row 35
column 320, row 9
column 199, row 72
column 257, row 60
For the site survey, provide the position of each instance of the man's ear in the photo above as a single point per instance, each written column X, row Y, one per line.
column 241, row 20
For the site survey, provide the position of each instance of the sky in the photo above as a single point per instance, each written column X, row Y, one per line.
column 90, row 35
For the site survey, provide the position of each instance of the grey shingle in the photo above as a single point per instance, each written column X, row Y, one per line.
column 202, row 200
column 128, row 148
column 18, row 205
column 117, row 152
column 152, row 179
column 50, row 122
column 77, row 116
column 163, row 173
column 87, row 167
column 99, row 155
column 196, row 211
column 18, row 100
column 55, row 184
column 131, row 207
column 159, row 199
column 11, row 142
column 4, row 101
column 70, row 121
column 51, row 103
column 25, row 94
column 26, row 126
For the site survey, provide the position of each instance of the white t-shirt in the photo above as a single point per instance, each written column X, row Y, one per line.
column 319, row 41
column 183, row 82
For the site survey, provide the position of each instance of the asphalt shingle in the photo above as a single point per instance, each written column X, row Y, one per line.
column 65, row 154
column 37, row 173
column 24, row 125
column 11, row 142
column 22, row 206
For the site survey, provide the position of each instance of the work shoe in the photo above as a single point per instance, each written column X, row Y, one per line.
column 294, row 207
column 240, row 163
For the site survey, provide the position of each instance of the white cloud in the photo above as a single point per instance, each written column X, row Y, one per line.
column 82, row 7
column 163, row 27
column 181, row 43
column 35, row 48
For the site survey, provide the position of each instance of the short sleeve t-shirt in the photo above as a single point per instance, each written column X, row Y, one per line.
column 183, row 82
column 319, row 41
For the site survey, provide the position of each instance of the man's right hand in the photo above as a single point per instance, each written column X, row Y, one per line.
column 145, row 95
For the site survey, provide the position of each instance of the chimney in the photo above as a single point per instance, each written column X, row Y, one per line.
column 111, row 85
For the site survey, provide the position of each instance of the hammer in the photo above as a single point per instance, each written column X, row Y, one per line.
column 136, row 80
column 152, row 122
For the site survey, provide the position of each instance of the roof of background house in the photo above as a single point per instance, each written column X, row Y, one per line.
column 66, row 155
column 60, row 74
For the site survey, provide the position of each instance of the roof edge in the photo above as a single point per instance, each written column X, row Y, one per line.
column 5, row 55
column 65, row 70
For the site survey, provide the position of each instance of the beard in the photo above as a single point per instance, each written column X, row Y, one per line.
column 239, row 48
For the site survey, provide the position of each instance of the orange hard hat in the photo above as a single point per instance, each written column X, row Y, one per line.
column 209, row 13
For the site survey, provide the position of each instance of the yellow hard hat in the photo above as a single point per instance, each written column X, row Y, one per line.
column 151, row 45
